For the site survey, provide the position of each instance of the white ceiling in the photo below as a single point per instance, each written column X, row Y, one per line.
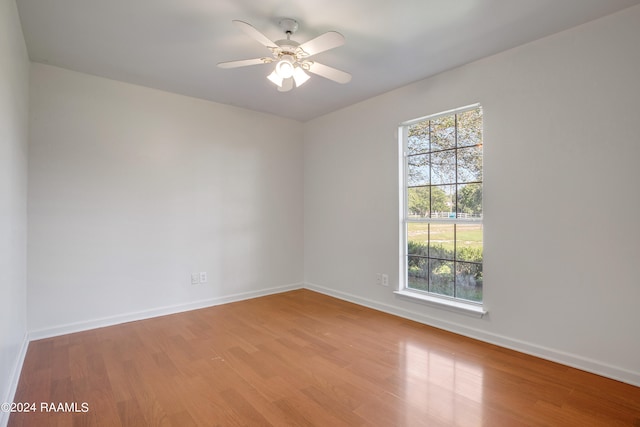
column 174, row 45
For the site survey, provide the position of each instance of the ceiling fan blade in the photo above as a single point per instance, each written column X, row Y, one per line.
column 330, row 73
column 323, row 42
column 250, row 30
column 244, row 62
column 287, row 85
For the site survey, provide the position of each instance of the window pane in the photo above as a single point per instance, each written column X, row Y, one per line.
column 444, row 232
column 443, row 133
column 417, row 238
column 469, row 242
column 443, row 167
column 418, row 273
column 441, row 277
column 469, row 281
column 470, row 128
column 418, row 138
column 443, row 201
column 418, row 202
column 418, row 170
column 441, row 241
column 470, row 201
column 470, row 164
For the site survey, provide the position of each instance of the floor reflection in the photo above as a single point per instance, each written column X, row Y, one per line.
column 440, row 386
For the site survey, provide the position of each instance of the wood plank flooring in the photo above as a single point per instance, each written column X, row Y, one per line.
column 304, row 359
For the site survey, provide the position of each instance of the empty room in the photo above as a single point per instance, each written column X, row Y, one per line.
column 282, row 213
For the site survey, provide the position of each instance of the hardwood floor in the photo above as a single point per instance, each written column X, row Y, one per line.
column 303, row 359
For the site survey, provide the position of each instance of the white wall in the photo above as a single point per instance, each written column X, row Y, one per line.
column 14, row 96
column 131, row 189
column 562, row 143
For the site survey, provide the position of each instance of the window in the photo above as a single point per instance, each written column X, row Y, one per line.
column 442, row 207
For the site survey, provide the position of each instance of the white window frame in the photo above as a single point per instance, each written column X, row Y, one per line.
column 441, row 301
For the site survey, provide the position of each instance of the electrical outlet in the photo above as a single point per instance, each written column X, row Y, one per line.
column 203, row 277
column 385, row 280
column 195, row 279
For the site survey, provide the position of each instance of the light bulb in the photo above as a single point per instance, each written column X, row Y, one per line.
column 284, row 68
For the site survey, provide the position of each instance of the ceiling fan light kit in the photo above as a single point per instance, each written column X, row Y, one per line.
column 292, row 58
column 285, row 66
column 299, row 76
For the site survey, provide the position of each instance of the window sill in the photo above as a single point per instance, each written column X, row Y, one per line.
column 455, row 306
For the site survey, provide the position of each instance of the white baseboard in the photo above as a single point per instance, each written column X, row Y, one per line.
column 568, row 359
column 155, row 312
column 14, row 379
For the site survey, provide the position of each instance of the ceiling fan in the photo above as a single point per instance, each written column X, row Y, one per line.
column 292, row 58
